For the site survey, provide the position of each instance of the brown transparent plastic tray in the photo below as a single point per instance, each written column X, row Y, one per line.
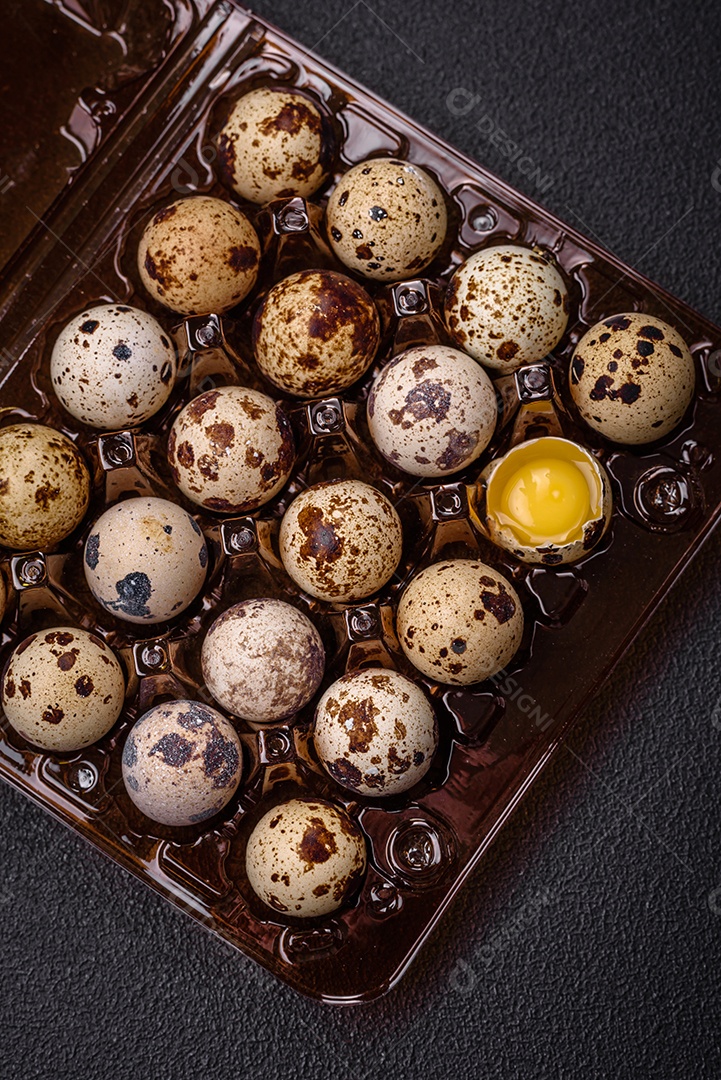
column 496, row 736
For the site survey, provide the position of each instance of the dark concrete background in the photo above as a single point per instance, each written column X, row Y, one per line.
column 587, row 944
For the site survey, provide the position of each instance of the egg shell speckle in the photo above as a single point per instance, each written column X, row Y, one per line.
column 507, row 306
column 63, row 689
column 182, row 763
column 375, row 732
column 305, row 858
column 459, row 621
column 632, row 378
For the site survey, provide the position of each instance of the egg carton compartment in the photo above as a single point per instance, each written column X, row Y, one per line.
column 494, row 736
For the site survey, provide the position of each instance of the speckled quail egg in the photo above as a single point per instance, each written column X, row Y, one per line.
column 340, row 540
column 315, row 333
column 63, row 689
column 182, row 763
column 459, row 621
column 113, row 366
column 275, row 144
column 386, row 219
column 199, row 255
column 263, row 660
column 432, row 410
column 375, row 732
column 632, row 378
column 305, row 858
column 507, row 306
column 145, row 560
column 231, row 450
column 44, row 486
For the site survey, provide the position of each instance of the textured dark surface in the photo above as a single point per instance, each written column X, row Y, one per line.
column 587, row 944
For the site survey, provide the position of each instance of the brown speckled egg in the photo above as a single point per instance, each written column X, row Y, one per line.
column 386, row 219
column 315, row 333
column 459, row 621
column 63, row 689
column 432, row 410
column 263, row 660
column 113, row 366
column 274, row 144
column 632, row 378
column 341, row 540
column 145, row 560
column 182, row 763
column 507, row 306
column 231, row 450
column 375, row 732
column 199, row 255
column 305, row 858
column 44, row 486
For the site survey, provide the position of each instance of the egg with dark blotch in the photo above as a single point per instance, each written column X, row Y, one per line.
column 182, row 763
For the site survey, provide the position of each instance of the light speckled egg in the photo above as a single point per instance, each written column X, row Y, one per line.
column 432, row 410
column 507, row 306
column 305, row 858
column 145, row 560
column 44, row 486
column 375, row 732
column 231, row 450
column 275, row 144
column 459, row 621
column 315, row 333
column 632, row 378
column 341, row 540
column 263, row 660
column 182, row 763
column 63, row 689
column 199, row 255
column 386, row 219
column 113, row 366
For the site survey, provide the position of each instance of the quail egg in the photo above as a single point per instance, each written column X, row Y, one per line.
column 632, row 378
column 315, row 333
column 113, row 366
column 507, row 306
column 432, row 410
column 44, row 486
column 459, row 621
column 340, row 540
column 386, row 219
column 375, row 732
column 231, row 450
column 182, row 763
column 275, row 144
column 63, row 689
column 199, row 255
column 145, row 560
column 263, row 660
column 305, row 858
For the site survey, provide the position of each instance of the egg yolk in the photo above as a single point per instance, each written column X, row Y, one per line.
column 547, row 499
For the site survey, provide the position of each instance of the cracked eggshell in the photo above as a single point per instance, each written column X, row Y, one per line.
column 305, row 858
column 63, row 689
column 145, row 560
column 44, row 486
column 632, row 378
column 182, row 763
column 230, row 450
column 199, row 255
column 375, row 732
column 459, row 621
column 507, row 306
column 386, row 219
column 263, row 660
column 315, row 333
column 341, row 540
column 432, row 411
